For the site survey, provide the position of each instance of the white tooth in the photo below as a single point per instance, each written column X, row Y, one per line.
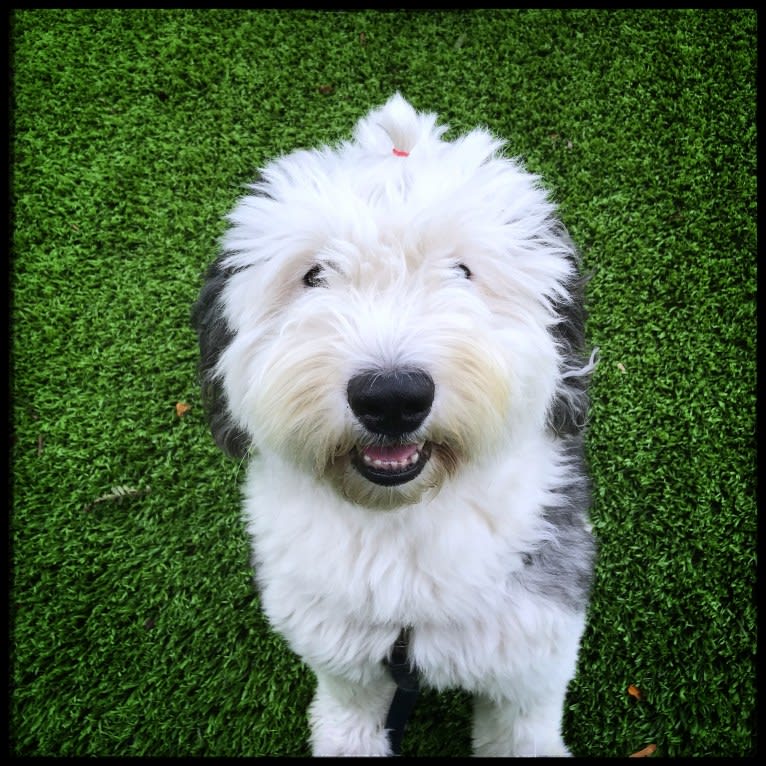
column 391, row 465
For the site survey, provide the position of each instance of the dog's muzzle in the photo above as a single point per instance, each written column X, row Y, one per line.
column 391, row 405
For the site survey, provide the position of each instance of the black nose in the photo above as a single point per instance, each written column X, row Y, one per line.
column 391, row 403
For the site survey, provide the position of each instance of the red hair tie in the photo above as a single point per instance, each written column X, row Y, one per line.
column 400, row 153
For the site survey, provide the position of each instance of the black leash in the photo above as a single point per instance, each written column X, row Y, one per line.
column 407, row 687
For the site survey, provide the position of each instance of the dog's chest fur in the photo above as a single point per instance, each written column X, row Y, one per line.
column 452, row 567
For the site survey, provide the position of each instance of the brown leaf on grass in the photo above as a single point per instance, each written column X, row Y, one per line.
column 326, row 90
column 182, row 408
column 644, row 752
column 634, row 691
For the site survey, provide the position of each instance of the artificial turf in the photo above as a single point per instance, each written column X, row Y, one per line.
column 134, row 627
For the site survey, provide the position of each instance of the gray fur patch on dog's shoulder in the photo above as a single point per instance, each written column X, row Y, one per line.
column 214, row 336
column 562, row 567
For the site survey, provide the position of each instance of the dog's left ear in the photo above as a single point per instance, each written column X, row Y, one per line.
column 569, row 411
column 214, row 336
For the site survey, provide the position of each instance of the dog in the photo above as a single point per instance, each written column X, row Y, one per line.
column 393, row 336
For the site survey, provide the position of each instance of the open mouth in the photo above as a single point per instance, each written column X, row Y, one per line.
column 391, row 465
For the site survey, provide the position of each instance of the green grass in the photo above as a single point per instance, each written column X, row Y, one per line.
column 134, row 626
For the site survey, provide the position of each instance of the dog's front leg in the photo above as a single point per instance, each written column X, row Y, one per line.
column 348, row 718
column 504, row 728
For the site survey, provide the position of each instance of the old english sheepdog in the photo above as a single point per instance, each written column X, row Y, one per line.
column 393, row 336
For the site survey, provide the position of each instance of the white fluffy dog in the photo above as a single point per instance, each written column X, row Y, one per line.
column 393, row 333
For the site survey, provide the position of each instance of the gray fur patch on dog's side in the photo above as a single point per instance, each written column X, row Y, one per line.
column 562, row 567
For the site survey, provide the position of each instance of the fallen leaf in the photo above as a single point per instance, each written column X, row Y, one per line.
column 182, row 408
column 326, row 90
column 648, row 750
column 634, row 691
column 621, row 367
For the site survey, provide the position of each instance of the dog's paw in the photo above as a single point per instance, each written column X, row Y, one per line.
column 351, row 744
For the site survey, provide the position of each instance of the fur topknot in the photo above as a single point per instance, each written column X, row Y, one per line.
column 396, row 125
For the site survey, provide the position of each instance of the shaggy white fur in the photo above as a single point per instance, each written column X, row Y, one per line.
column 395, row 337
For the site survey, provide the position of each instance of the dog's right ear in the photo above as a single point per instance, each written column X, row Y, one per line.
column 214, row 336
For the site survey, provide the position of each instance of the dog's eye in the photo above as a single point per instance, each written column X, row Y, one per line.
column 313, row 277
column 466, row 271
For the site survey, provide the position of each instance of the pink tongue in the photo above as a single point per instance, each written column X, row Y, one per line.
column 391, row 454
